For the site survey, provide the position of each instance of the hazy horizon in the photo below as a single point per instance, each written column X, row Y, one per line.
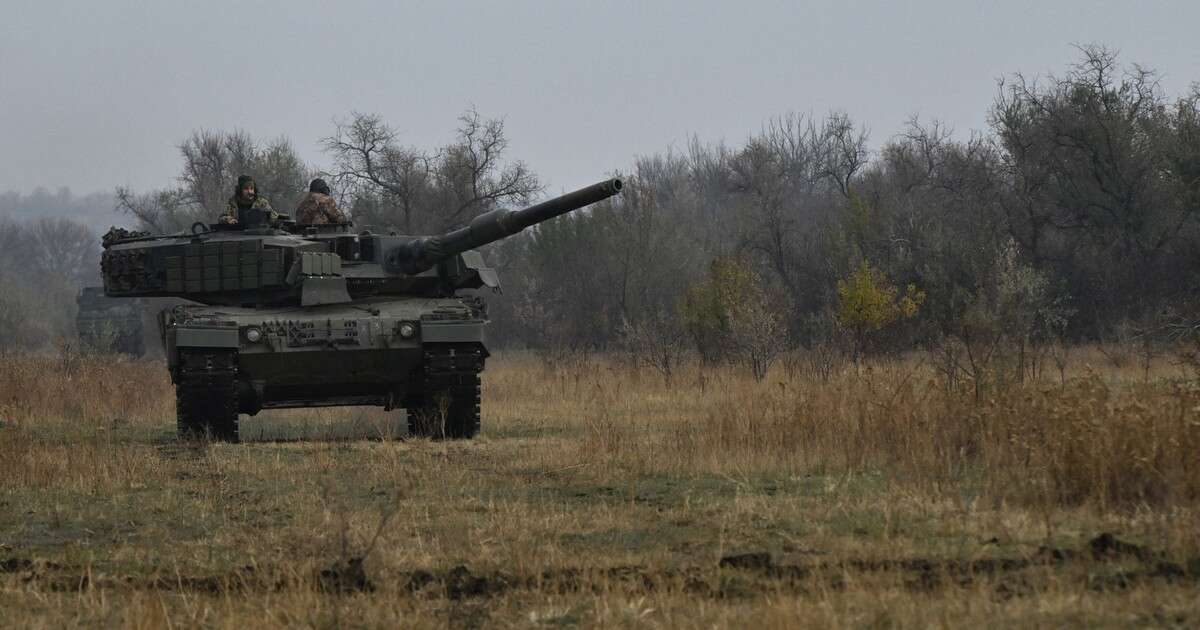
column 100, row 96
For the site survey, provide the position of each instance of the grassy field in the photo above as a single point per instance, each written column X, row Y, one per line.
column 601, row 496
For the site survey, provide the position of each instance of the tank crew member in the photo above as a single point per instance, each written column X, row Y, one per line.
column 318, row 206
column 245, row 197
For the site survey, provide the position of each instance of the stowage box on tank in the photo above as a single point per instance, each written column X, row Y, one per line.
column 307, row 316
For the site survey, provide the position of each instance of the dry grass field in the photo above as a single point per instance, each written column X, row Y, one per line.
column 600, row 496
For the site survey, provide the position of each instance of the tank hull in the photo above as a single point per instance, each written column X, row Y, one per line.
column 389, row 352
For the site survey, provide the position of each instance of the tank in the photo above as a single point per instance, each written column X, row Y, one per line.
column 109, row 325
column 286, row 315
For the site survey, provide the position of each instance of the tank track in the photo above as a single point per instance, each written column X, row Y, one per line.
column 447, row 402
column 206, row 395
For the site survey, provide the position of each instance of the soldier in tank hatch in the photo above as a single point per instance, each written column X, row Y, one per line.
column 318, row 206
column 246, row 199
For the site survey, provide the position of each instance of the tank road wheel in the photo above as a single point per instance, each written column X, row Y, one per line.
column 206, row 400
column 447, row 405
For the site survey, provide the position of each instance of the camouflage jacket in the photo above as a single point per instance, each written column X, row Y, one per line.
column 317, row 208
column 230, row 216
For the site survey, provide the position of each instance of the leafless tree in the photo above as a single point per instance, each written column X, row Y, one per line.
column 658, row 341
column 14, row 243
column 213, row 160
column 62, row 247
column 210, row 159
column 843, row 150
column 160, row 211
column 788, row 179
column 417, row 190
column 370, row 166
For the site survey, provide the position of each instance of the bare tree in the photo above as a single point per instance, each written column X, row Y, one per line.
column 212, row 162
column 377, row 173
column 43, row 261
column 843, row 150
column 658, row 341
column 209, row 159
column 417, row 190
column 279, row 172
column 160, row 211
column 62, row 247
column 788, row 179
column 14, row 243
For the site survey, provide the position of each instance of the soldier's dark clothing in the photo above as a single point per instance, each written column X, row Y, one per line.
column 230, row 216
column 318, row 208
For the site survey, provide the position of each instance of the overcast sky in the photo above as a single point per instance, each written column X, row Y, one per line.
column 96, row 95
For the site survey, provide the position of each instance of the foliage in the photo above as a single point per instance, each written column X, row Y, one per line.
column 704, row 308
column 622, row 260
column 1104, row 180
column 731, row 316
column 43, row 263
column 1014, row 317
column 868, row 303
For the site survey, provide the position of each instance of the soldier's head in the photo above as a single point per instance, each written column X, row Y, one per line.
column 318, row 185
column 246, row 189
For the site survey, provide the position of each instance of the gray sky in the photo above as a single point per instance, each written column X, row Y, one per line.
column 95, row 95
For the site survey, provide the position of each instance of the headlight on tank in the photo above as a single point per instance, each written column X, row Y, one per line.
column 408, row 330
column 253, row 335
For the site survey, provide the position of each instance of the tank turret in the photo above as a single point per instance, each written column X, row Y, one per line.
column 286, row 263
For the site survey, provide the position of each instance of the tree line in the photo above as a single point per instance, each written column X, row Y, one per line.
column 1073, row 219
column 44, row 260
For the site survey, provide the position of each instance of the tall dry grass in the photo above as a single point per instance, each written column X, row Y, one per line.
column 1110, row 439
column 64, row 419
column 1105, row 438
column 70, row 387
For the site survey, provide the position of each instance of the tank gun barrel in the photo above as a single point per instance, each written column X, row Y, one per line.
column 424, row 253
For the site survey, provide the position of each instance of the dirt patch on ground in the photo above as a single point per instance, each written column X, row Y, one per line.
column 1119, row 565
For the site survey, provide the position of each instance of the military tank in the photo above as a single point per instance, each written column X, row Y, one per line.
column 289, row 315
